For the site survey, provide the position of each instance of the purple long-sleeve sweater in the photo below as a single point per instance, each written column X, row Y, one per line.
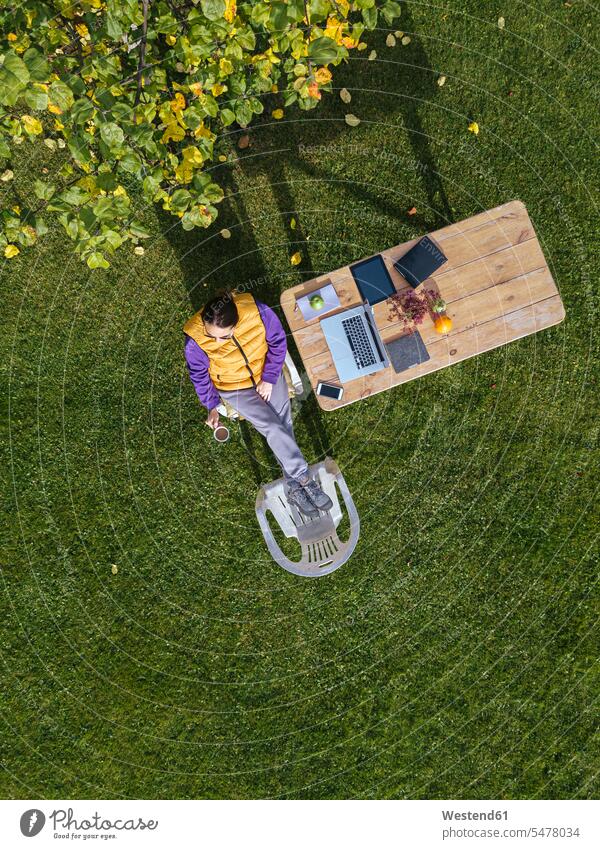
column 197, row 360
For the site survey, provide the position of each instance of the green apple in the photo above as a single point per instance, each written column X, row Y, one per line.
column 316, row 302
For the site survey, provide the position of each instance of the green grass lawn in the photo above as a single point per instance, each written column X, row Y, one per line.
column 455, row 655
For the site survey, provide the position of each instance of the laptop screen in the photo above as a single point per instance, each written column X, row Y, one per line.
column 373, row 279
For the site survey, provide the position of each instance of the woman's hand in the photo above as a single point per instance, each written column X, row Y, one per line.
column 264, row 389
column 213, row 419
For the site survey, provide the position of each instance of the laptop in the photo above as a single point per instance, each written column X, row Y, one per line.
column 420, row 262
column 355, row 343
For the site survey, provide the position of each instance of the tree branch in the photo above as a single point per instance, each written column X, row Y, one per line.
column 142, row 61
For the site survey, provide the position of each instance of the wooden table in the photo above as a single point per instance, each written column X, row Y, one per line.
column 496, row 283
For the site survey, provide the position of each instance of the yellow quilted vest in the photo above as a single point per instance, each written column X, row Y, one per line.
column 236, row 363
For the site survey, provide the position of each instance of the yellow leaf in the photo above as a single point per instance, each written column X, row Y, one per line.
column 218, row 89
column 441, row 80
column 277, row 114
column 178, row 102
column 82, row 30
column 222, row 158
column 173, row 131
column 32, row 125
column 196, row 89
column 119, row 192
column 139, row 251
column 226, row 233
column 7, row 175
column 58, row 125
column 372, row 55
column 225, row 67
column 12, row 36
column 293, row 223
column 56, row 110
column 406, row 40
column 192, row 155
column 230, row 11
column 362, row 45
column 473, row 127
column 114, row 568
column 274, row 88
column 296, row 258
column 10, row 251
column 501, row 23
column 323, row 76
column 16, row 209
column 203, row 132
column 171, row 40
column 351, row 120
column 390, row 40
column 345, row 95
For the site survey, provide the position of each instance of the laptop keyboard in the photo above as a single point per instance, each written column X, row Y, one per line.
column 359, row 341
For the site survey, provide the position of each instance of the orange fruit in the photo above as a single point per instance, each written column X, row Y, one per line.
column 443, row 323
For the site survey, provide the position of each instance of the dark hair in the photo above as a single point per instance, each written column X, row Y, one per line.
column 221, row 311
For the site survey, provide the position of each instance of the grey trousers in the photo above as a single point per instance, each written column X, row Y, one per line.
column 273, row 419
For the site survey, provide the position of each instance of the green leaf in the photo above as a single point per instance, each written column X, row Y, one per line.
column 213, row 193
column 97, row 260
column 74, row 195
column 370, row 17
column 4, row 149
column 180, row 200
column 82, row 111
column 61, row 95
column 104, row 208
column 213, row 9
column 114, row 29
column 36, row 99
column 42, row 190
column 112, row 135
column 243, row 113
column 36, row 64
column 113, row 239
column 227, row 116
column 278, row 17
column 107, row 181
column 319, row 9
column 138, row 230
column 131, row 163
column 14, row 76
column 323, row 50
column 391, row 10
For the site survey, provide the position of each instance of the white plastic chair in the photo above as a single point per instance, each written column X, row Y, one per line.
column 322, row 551
column 293, row 380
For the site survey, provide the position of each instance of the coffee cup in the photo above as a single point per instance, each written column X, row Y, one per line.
column 221, row 433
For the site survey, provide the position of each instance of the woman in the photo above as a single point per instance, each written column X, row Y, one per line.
column 234, row 350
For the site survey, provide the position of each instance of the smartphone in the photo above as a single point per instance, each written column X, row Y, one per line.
column 328, row 390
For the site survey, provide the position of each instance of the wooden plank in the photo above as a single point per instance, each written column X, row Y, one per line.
column 444, row 352
column 478, row 308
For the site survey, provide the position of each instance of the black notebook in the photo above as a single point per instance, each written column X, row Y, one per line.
column 406, row 351
column 420, row 262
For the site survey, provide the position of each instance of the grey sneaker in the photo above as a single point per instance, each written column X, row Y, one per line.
column 297, row 494
column 317, row 496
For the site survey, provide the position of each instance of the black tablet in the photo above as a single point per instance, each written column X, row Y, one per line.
column 420, row 262
column 373, row 279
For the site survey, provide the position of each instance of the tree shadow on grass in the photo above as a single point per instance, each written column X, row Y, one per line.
column 400, row 85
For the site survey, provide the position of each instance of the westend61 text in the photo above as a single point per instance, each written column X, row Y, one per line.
column 475, row 815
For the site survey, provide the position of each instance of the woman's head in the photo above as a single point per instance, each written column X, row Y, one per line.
column 220, row 316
